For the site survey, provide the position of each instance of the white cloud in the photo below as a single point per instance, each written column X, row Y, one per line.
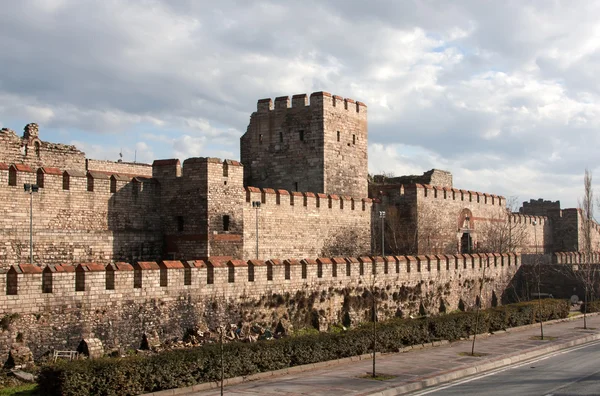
column 504, row 95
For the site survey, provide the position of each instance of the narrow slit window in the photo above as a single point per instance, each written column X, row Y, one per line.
column 280, row 137
column 66, row 181
column 353, row 139
column 40, row 178
column 338, row 136
column 12, row 176
column 226, row 223
column 180, row 223
column 90, row 183
column 113, row 184
column 260, row 138
column 301, row 133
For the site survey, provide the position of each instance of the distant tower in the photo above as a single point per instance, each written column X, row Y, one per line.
column 319, row 147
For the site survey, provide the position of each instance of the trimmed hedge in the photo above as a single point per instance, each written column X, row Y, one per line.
column 180, row 368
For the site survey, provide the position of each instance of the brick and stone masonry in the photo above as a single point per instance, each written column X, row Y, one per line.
column 56, row 306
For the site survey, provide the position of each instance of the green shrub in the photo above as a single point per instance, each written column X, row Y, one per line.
column 592, row 306
column 174, row 369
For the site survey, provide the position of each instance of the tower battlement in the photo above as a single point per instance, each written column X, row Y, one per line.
column 319, row 99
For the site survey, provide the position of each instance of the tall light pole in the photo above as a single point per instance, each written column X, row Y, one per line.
column 382, row 217
column 539, row 276
column 374, row 272
column 30, row 189
column 256, row 206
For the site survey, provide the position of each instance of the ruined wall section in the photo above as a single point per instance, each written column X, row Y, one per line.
column 283, row 146
column 345, row 141
column 123, row 168
column 54, row 307
column 85, row 218
column 303, row 224
column 32, row 151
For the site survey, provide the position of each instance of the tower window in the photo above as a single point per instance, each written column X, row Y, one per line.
column 353, row 139
column 338, row 136
column 37, row 149
column 66, row 181
column 226, row 223
column 260, row 138
column 280, row 137
column 295, row 186
column 301, row 135
column 180, row 223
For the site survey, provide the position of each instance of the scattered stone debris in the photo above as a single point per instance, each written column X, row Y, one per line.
column 20, row 356
column 23, row 376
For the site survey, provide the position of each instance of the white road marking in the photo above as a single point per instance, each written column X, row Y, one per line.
column 500, row 370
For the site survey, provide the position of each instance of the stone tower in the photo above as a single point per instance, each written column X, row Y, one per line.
column 319, row 146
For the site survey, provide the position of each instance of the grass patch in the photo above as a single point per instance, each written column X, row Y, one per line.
column 378, row 376
column 546, row 338
column 476, row 354
column 574, row 313
column 21, row 390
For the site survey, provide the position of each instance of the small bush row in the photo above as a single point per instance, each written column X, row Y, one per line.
column 590, row 307
column 180, row 368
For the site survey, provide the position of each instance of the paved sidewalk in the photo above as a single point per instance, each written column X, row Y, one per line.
column 412, row 370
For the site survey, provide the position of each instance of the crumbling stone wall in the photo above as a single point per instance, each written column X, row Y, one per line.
column 30, row 150
column 121, row 303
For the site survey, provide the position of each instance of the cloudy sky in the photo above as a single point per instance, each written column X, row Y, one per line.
column 503, row 94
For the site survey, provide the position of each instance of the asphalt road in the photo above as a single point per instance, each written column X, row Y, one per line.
column 574, row 371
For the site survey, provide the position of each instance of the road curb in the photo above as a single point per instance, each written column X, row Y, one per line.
column 499, row 362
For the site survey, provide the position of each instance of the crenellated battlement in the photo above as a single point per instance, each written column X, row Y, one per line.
column 269, row 196
column 149, row 280
column 519, row 218
column 68, row 181
column 445, row 193
column 172, row 168
column 317, row 100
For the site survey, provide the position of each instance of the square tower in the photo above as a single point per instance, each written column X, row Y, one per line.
column 319, row 146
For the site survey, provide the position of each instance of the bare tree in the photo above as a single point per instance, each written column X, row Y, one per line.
column 502, row 233
column 586, row 272
column 345, row 242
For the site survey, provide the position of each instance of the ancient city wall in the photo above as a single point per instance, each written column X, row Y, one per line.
column 76, row 217
column 301, row 224
column 434, row 219
column 123, row 168
column 54, row 307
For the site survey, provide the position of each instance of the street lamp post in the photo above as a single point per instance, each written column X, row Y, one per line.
column 539, row 276
column 30, row 189
column 256, row 205
column 382, row 217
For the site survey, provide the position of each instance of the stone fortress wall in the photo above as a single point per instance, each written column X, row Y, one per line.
column 55, row 306
column 435, row 216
